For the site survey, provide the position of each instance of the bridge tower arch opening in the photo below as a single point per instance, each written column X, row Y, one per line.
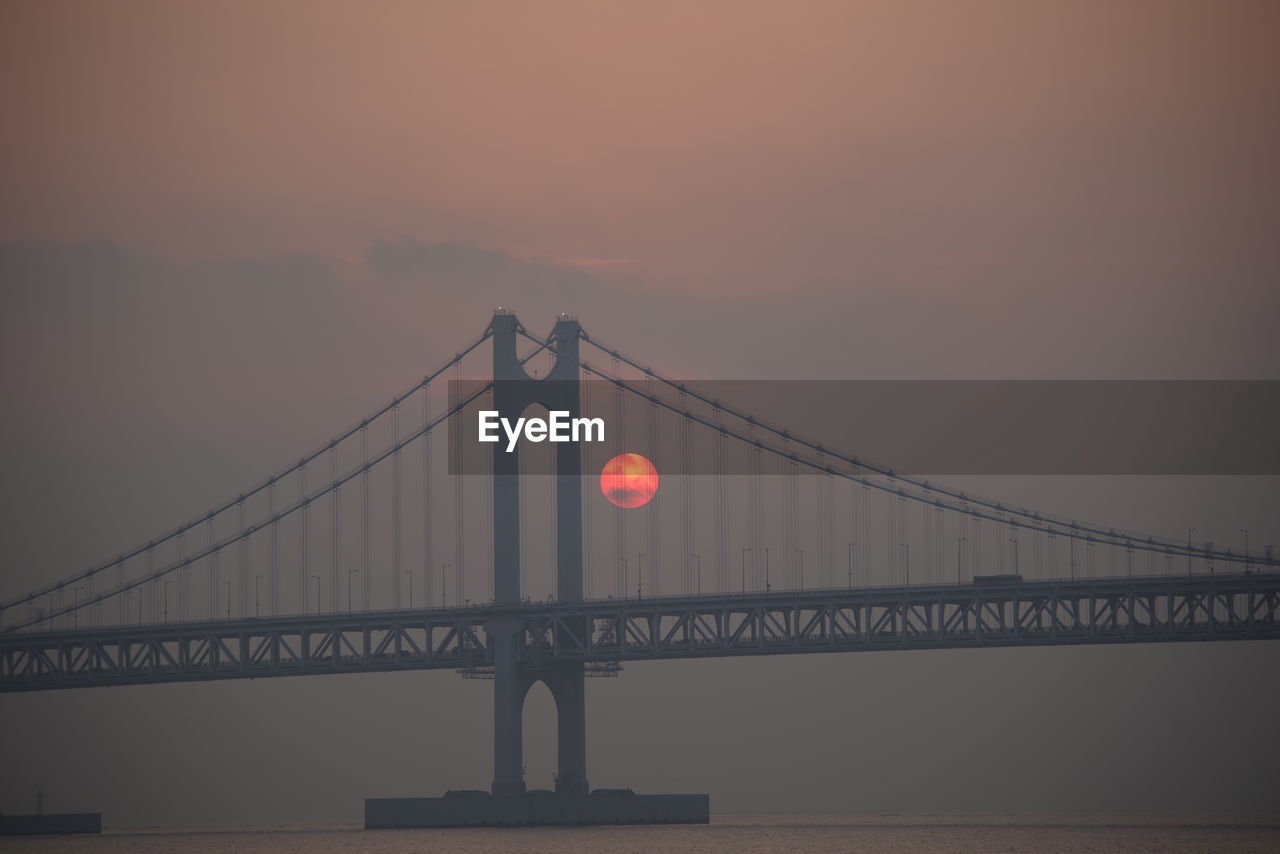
column 563, row 689
column 514, row 391
column 539, row 736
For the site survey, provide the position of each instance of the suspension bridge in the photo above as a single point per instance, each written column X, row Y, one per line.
column 380, row 550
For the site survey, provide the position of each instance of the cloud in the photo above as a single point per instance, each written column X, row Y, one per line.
column 470, row 278
column 150, row 343
column 295, row 271
column 601, row 262
column 409, row 256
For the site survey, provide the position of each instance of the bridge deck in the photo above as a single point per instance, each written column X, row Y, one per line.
column 992, row 613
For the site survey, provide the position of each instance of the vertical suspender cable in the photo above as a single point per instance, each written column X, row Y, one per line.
column 939, row 543
column 787, row 575
column 1002, row 546
column 243, row 551
column 686, row 504
column 826, row 519
column 864, row 533
column 1036, row 566
column 395, row 506
column 941, row 520
column 976, row 567
column 1053, row 553
column 619, row 520
column 1072, row 543
column 210, row 570
column 335, row 536
column 459, row 496
column 852, row 545
column 1014, row 556
column 366, row 569
column 894, row 551
column 122, row 600
column 795, row 549
column 755, row 537
column 428, row 541
column 486, row 499
column 522, row 529
column 273, row 551
column 653, row 439
column 304, row 564
column 551, row 483
column 904, row 539
column 182, row 575
column 215, row 578
column 721, row 526
column 926, row 531
column 588, row 486
column 148, row 592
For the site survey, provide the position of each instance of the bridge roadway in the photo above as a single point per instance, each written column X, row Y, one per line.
column 606, row 633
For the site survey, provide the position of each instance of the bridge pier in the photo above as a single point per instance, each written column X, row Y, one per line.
column 568, row 688
column 510, row 686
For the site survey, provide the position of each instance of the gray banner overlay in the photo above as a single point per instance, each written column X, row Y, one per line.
column 1004, row 427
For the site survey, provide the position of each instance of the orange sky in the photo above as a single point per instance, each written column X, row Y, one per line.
column 926, row 189
column 721, row 144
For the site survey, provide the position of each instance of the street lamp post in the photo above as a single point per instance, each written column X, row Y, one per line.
column 958, row 556
column 625, row 584
column 227, row 584
column 444, row 593
column 698, row 558
column 165, row 591
column 851, row 545
column 1189, row 533
column 801, row 551
column 767, row 585
column 640, row 573
column 908, row 563
column 409, row 572
column 744, row 568
column 257, row 596
column 1245, row 531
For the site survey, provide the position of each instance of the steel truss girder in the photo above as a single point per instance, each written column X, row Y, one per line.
column 248, row 649
column 1174, row 608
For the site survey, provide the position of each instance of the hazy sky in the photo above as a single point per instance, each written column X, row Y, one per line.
column 228, row 228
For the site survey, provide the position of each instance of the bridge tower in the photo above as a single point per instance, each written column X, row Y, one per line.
column 514, row 391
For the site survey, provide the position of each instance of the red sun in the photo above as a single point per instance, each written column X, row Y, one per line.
column 629, row 480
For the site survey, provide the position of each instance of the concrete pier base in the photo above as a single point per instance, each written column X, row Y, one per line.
column 50, row 823
column 480, row 809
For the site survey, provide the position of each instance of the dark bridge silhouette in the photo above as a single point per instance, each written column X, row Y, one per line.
column 266, row 584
